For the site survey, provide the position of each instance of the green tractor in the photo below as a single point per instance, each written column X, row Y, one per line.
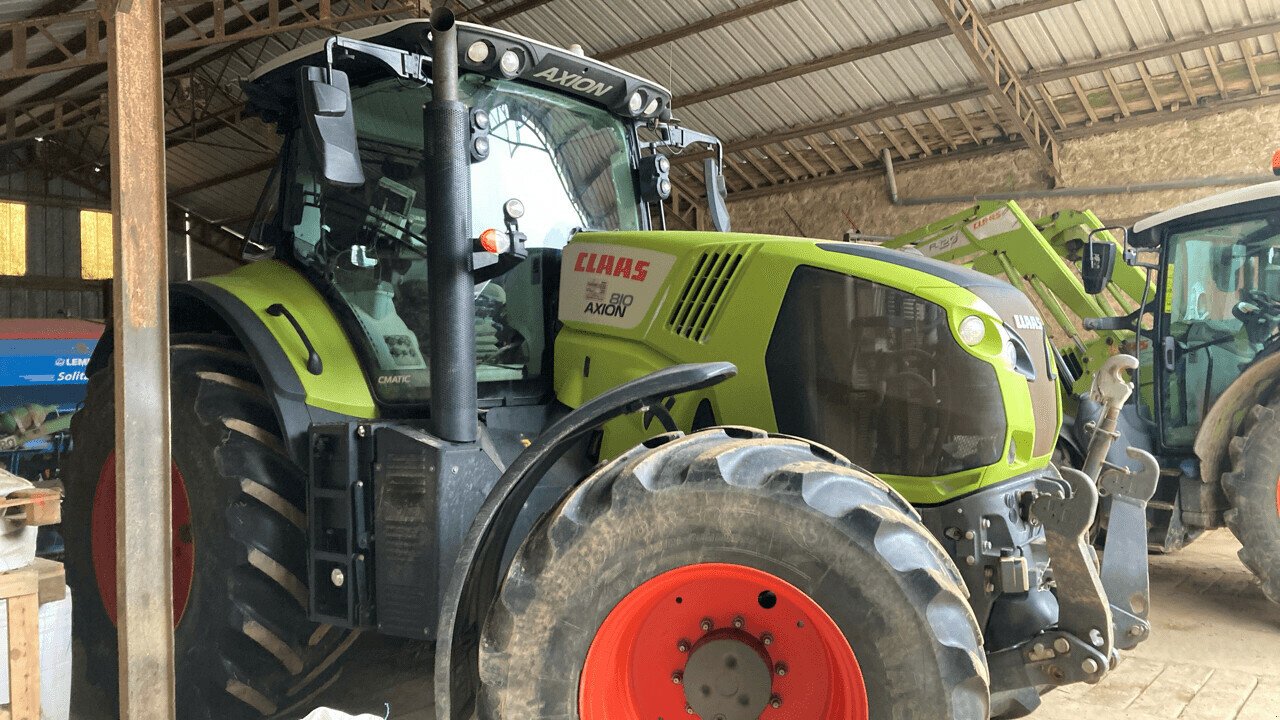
column 467, row 394
column 1203, row 282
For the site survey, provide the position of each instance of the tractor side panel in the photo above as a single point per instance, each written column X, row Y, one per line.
column 341, row 387
column 720, row 300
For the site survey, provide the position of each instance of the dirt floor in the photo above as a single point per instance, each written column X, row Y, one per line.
column 1214, row 654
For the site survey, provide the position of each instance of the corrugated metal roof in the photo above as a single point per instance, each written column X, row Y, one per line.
column 746, row 51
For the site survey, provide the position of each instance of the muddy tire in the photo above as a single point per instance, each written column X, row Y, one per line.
column 711, row 525
column 243, row 645
column 1253, row 488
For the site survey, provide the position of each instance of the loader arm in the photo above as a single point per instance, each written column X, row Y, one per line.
column 999, row 239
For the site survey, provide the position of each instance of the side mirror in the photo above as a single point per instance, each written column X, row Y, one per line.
column 713, row 171
column 1098, row 262
column 329, row 125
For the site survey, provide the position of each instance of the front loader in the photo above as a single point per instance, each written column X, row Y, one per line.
column 1197, row 302
column 468, row 393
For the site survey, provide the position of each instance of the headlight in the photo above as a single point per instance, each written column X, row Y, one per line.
column 1011, row 354
column 510, row 63
column 636, row 103
column 972, row 330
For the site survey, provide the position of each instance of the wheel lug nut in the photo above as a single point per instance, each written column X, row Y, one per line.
column 683, row 646
column 707, row 625
column 738, row 622
column 780, row 669
column 688, row 708
column 677, row 677
column 767, row 639
column 775, row 702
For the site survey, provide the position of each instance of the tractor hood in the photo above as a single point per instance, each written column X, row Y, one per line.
column 481, row 49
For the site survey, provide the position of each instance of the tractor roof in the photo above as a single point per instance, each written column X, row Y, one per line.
column 1261, row 191
column 271, row 88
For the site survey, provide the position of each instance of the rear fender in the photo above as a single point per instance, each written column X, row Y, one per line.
column 203, row 307
column 1226, row 414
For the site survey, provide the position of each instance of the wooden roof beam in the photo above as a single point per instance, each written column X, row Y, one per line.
column 844, row 149
column 975, row 37
column 1156, row 102
column 1181, row 69
column 1030, row 7
column 937, row 125
column 1209, row 54
column 798, row 154
column 1121, row 105
column 1246, row 52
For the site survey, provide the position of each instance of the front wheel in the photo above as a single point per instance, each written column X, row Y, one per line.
column 1253, row 488
column 734, row 575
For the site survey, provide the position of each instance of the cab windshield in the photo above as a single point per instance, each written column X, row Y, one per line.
column 567, row 162
column 1223, row 302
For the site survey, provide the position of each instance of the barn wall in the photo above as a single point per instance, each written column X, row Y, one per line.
column 1239, row 142
column 53, row 251
column 53, row 248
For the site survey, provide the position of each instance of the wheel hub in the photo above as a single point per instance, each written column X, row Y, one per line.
column 728, row 678
column 716, row 641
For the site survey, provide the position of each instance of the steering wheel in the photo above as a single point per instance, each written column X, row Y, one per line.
column 1258, row 312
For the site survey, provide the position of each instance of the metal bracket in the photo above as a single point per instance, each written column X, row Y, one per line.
column 1124, row 556
column 1083, row 609
column 1053, row 658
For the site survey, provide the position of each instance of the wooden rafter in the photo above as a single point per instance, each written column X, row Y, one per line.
column 1246, row 52
column 1181, row 69
column 937, row 125
column 189, row 24
column 975, row 37
column 1147, row 83
column 1121, row 105
column 1030, row 7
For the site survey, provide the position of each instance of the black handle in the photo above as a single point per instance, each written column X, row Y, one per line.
column 314, row 365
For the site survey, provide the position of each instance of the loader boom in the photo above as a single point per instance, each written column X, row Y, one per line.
column 1036, row 256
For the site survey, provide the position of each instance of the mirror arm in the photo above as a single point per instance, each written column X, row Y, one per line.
column 410, row 66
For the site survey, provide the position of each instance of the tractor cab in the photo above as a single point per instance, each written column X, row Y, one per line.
column 557, row 144
column 1220, row 300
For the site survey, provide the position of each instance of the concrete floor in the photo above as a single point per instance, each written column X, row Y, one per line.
column 1214, row 654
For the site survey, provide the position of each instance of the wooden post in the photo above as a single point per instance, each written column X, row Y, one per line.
column 144, row 584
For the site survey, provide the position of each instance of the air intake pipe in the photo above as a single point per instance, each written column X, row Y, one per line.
column 454, row 405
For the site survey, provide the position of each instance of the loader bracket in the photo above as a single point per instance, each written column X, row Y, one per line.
column 1083, row 611
column 473, row 584
column 1124, row 557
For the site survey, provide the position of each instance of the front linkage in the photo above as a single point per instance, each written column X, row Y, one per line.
column 1101, row 610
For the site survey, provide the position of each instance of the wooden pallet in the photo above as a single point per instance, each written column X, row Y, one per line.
column 25, row 590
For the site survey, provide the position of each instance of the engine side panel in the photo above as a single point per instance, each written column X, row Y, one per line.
column 706, row 297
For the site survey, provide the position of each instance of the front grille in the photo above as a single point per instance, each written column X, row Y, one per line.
column 695, row 310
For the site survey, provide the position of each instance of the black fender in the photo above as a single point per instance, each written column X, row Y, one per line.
column 473, row 585
column 197, row 306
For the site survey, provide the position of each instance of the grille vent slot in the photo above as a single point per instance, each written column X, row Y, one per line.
column 698, row 306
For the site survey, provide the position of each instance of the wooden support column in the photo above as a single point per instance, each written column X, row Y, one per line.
column 144, row 562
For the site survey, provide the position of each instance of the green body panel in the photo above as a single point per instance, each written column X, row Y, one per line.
column 999, row 239
column 738, row 330
column 342, row 387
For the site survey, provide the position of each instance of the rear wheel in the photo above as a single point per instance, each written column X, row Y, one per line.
column 243, row 645
column 733, row 575
column 1253, row 488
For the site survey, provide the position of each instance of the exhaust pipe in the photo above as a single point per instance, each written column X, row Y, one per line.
column 454, row 404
